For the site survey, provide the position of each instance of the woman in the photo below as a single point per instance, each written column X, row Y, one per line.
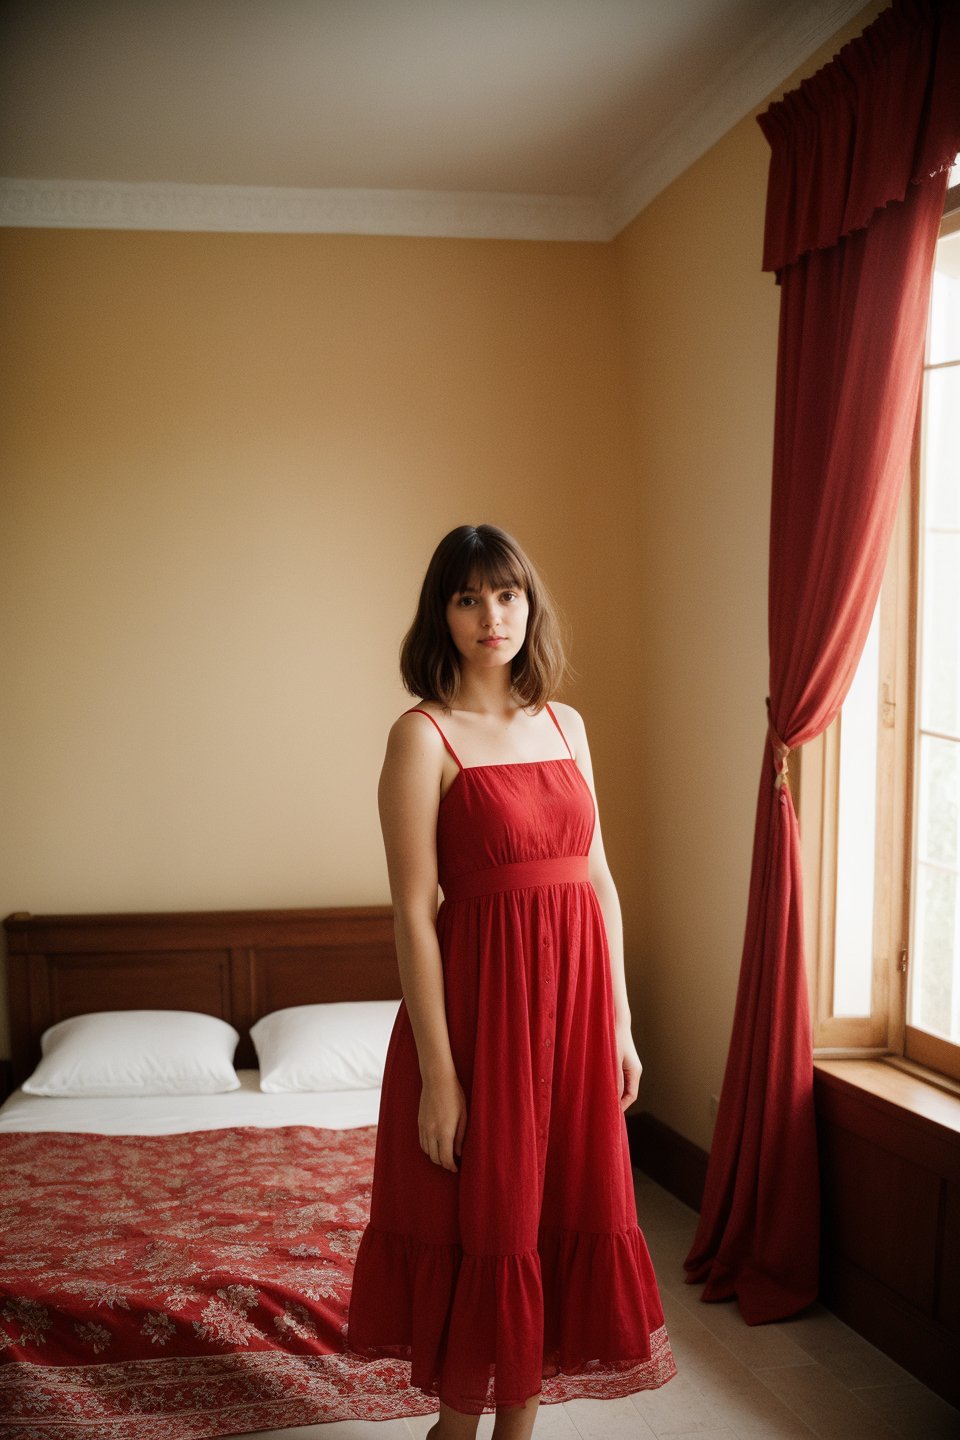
column 503, row 1257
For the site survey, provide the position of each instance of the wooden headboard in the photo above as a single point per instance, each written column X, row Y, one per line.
column 238, row 964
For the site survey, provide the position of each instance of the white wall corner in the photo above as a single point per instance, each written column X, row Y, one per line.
column 759, row 70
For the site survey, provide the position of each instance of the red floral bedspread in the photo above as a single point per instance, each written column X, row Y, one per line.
column 170, row 1286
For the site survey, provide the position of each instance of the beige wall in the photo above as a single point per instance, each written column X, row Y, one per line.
column 702, row 325
column 227, row 460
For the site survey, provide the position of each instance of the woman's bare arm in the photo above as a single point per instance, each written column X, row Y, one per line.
column 409, row 796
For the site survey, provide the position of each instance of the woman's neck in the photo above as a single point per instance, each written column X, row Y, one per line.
column 489, row 694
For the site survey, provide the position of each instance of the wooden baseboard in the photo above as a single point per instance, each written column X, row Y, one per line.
column 921, row 1346
column 668, row 1157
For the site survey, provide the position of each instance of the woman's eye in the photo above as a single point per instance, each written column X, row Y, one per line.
column 509, row 595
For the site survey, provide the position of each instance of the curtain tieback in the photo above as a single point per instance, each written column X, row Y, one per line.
column 780, row 751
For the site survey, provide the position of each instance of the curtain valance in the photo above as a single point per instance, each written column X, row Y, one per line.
column 855, row 135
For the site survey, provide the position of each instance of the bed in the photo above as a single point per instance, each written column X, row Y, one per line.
column 179, row 1266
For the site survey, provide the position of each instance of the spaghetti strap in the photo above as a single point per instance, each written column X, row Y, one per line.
column 415, row 710
column 562, row 736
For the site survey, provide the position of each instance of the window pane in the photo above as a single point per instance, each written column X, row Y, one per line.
column 856, row 835
column 935, row 951
column 945, row 305
column 940, row 653
column 939, row 801
column 941, row 423
column 935, row 966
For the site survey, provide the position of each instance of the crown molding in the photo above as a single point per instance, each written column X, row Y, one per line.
column 757, row 72
column 103, row 205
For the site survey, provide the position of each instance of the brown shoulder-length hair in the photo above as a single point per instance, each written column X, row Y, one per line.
column 429, row 660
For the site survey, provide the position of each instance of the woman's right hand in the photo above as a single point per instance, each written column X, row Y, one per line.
column 442, row 1120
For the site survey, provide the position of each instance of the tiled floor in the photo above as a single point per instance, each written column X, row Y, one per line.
column 810, row 1376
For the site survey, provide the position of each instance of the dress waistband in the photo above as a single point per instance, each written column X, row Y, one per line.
column 562, row 870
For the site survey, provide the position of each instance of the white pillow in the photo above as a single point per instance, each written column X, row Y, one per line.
column 137, row 1052
column 340, row 1046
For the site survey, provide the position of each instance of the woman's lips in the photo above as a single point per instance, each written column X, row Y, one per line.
column 494, row 640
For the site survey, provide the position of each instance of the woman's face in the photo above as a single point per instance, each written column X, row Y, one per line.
column 488, row 626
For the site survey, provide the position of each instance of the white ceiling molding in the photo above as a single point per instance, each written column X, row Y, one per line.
column 759, row 71
column 103, row 205
column 793, row 34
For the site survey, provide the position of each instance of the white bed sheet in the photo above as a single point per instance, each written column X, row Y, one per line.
column 175, row 1114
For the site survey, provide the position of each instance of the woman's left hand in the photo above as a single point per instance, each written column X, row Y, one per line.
column 630, row 1067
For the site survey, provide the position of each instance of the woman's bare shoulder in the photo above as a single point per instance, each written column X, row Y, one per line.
column 412, row 730
column 571, row 720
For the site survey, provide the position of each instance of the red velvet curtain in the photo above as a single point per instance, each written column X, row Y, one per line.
column 858, row 171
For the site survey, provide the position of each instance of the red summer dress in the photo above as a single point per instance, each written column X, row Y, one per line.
column 526, row 1271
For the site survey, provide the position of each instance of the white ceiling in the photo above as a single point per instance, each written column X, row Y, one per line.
column 576, row 108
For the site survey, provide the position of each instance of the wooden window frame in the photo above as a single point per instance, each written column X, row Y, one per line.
column 919, row 1046
column 881, row 1032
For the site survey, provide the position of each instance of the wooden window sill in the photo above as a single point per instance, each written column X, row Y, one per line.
column 883, row 1085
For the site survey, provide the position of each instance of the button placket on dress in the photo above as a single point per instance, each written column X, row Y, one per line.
column 545, row 1049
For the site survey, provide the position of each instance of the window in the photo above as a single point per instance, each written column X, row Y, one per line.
column 879, row 795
